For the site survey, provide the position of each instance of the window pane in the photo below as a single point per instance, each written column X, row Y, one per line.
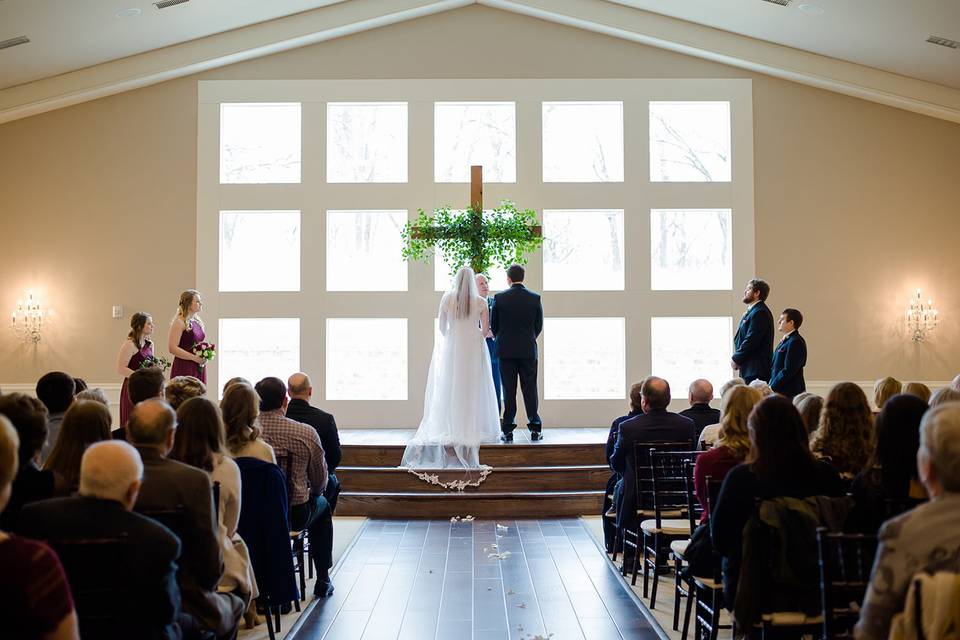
column 259, row 143
column 364, row 251
column 254, row 348
column 690, row 249
column 583, row 142
column 367, row 142
column 469, row 133
column 583, row 250
column 442, row 280
column 685, row 349
column 690, row 141
column 583, row 358
column 259, row 251
column 366, row 359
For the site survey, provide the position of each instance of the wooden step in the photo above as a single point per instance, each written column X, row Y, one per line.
column 540, row 504
column 541, row 454
column 503, row 479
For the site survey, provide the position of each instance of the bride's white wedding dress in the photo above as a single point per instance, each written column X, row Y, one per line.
column 460, row 409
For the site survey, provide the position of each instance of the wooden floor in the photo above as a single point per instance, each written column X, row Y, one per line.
column 437, row 580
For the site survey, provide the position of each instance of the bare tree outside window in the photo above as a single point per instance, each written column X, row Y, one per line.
column 259, row 143
column 255, row 348
column 367, row 142
column 363, row 251
column 475, row 133
column 259, row 251
column 582, row 142
column 583, row 250
column 690, row 141
column 584, row 358
column 690, row 249
column 366, row 359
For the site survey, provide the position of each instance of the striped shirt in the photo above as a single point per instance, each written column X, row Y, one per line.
column 299, row 454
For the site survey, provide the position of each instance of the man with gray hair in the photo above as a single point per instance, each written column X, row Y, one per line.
column 703, row 415
column 926, row 539
column 173, row 487
column 144, row 564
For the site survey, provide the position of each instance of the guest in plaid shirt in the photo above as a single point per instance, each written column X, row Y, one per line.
column 300, row 455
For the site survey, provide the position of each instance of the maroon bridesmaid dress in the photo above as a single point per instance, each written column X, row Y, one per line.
column 126, row 405
column 191, row 336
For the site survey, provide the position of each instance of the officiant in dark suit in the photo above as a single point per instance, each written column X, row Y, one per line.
column 516, row 320
column 753, row 343
column 790, row 356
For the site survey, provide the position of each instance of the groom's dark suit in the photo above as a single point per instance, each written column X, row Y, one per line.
column 516, row 321
column 753, row 344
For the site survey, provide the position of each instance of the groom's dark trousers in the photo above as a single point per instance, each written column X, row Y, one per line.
column 516, row 320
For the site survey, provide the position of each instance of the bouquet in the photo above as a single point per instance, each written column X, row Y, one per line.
column 206, row 351
column 155, row 361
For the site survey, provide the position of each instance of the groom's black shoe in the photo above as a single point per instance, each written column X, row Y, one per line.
column 535, row 435
column 506, row 437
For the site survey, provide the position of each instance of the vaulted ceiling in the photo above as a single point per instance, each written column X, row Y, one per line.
column 875, row 49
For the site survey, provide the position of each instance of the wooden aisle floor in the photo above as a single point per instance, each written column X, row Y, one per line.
column 434, row 579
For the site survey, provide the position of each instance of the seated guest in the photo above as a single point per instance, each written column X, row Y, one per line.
column 199, row 443
column 169, row 486
column 298, row 445
column 918, row 389
column 780, row 464
column 79, row 384
column 614, row 482
column 56, row 391
column 110, row 476
column 810, row 405
column 298, row 408
column 762, row 387
column 96, row 394
column 240, row 408
column 926, row 539
column 844, row 436
column 891, row 472
column 142, row 384
column 235, row 380
column 182, row 388
column 699, row 395
column 708, row 437
column 655, row 425
column 35, row 599
column 84, row 423
column 29, row 417
column 943, row 396
column 884, row 389
column 733, row 445
column 789, row 356
column 956, row 383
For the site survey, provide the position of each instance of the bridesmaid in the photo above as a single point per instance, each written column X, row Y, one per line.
column 186, row 330
column 136, row 348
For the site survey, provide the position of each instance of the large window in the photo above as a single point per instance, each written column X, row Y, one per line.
column 643, row 191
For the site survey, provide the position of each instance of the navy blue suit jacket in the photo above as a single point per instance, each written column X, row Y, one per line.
column 753, row 344
column 789, row 358
column 516, row 320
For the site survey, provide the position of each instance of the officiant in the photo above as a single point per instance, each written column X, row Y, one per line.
column 484, row 288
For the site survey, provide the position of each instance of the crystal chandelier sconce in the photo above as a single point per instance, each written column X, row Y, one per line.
column 27, row 319
column 922, row 318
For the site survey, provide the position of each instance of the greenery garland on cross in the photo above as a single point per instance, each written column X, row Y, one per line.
column 502, row 237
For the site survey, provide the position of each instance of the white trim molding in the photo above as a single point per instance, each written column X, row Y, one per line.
column 609, row 18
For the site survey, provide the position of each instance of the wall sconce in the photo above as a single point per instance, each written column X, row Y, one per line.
column 27, row 319
column 922, row 318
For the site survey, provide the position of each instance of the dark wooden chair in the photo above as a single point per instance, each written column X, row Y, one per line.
column 683, row 586
column 846, row 561
column 298, row 539
column 893, row 507
column 708, row 590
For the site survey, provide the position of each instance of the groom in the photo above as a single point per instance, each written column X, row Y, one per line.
column 516, row 321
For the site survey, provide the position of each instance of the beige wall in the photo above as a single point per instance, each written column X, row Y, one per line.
column 856, row 203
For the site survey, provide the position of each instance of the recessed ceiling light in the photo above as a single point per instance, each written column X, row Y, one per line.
column 812, row 9
column 128, row 13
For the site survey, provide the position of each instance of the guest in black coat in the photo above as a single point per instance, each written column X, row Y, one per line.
column 614, row 484
column 753, row 343
column 790, row 356
column 300, row 390
column 145, row 573
column 655, row 425
column 516, row 321
column 29, row 418
column 700, row 411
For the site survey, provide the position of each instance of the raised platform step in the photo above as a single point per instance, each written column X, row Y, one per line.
column 447, row 504
column 502, row 479
column 541, row 454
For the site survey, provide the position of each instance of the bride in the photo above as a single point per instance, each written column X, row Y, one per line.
column 460, row 404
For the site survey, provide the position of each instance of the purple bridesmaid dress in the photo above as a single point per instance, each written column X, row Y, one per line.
column 126, row 405
column 191, row 336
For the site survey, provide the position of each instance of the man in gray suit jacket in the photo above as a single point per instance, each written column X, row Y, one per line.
column 170, row 486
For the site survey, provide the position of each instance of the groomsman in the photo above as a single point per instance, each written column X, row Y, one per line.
column 753, row 344
column 790, row 356
column 484, row 288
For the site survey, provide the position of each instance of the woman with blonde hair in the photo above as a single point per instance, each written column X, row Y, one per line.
column 733, row 444
column 241, row 408
column 844, row 437
column 135, row 350
column 918, row 389
column 186, row 331
column 182, row 388
column 883, row 390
